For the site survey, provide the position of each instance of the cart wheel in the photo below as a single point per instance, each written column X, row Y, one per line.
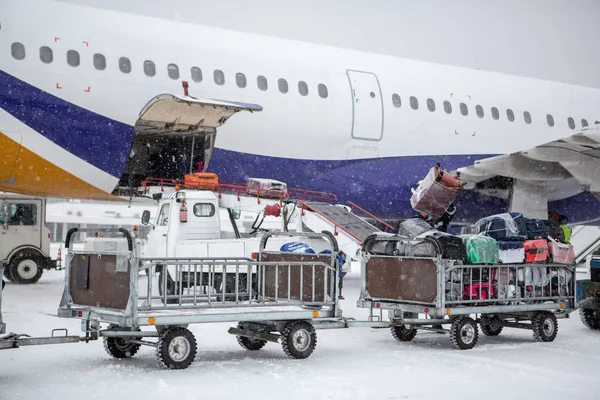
column 120, row 347
column 545, row 327
column 298, row 339
column 176, row 348
column 403, row 334
column 464, row 333
column 251, row 344
column 490, row 329
column 590, row 318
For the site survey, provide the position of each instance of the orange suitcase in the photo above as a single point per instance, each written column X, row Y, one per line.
column 202, row 180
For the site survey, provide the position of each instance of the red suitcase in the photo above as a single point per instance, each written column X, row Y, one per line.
column 536, row 251
column 472, row 291
column 435, row 193
column 561, row 253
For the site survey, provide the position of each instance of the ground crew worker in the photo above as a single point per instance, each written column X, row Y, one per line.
column 563, row 221
column 341, row 260
column 444, row 222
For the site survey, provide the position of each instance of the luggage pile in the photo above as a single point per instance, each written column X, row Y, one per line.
column 513, row 251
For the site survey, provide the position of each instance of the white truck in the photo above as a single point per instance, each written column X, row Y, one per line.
column 24, row 238
column 188, row 225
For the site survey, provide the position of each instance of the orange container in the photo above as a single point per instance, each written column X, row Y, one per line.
column 201, row 180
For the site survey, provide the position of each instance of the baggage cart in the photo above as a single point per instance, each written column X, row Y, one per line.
column 430, row 293
column 277, row 297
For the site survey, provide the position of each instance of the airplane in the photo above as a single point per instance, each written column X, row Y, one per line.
column 92, row 100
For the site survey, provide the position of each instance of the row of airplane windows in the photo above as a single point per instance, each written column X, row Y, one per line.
column 99, row 61
column 464, row 110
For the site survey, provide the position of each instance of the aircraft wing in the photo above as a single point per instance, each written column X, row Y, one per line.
column 562, row 167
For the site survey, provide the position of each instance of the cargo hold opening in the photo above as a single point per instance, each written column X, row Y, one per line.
column 174, row 135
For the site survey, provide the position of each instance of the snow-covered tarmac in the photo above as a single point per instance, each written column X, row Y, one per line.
column 357, row 363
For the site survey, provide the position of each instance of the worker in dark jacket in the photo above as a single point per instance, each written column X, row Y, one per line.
column 444, row 222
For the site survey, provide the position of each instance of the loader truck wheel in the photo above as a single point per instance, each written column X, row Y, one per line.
column 26, row 267
column 7, row 274
column 590, row 318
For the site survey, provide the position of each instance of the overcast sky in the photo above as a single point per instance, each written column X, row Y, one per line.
column 549, row 39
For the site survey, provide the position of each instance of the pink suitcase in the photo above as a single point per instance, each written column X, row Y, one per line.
column 435, row 193
column 561, row 253
column 471, row 292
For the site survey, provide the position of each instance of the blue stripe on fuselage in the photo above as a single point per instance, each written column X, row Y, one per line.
column 100, row 141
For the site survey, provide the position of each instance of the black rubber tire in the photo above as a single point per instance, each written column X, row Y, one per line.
column 167, row 338
column 590, row 318
column 291, row 346
column 251, row 344
column 26, row 255
column 7, row 274
column 171, row 290
column 464, row 333
column 490, row 330
column 402, row 334
column 545, row 326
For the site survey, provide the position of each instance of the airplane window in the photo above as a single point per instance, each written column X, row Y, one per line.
column 479, row 111
column 173, row 71
column 17, row 50
column 527, row 117
column 99, row 62
column 46, row 54
column 396, row 100
column 283, row 85
column 447, row 107
column 73, row 58
column 597, row 123
column 219, row 77
column 262, row 83
column 431, row 105
column 303, row 88
column 196, row 74
column 584, row 123
column 464, row 110
column 571, row 123
column 323, row 91
column 550, row 120
column 510, row 115
column 125, row 65
column 414, row 103
column 149, row 68
column 495, row 113
column 240, row 80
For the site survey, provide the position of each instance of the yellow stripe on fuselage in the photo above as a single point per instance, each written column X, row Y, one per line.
column 25, row 172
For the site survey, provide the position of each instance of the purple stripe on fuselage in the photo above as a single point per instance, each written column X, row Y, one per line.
column 100, row 141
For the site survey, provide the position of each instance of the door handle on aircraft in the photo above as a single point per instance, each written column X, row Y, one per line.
column 164, row 234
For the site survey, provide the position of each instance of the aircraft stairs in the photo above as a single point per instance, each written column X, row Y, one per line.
column 586, row 241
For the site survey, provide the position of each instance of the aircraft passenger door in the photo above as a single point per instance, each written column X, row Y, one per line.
column 10, row 145
column 367, row 105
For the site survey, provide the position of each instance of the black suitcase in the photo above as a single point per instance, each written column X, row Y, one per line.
column 413, row 227
column 451, row 247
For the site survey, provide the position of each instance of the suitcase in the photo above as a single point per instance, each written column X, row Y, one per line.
column 454, row 291
column 503, row 275
column 417, row 248
column 413, row 227
column 472, row 292
column 480, row 249
column 536, row 251
column 201, row 180
column 536, row 229
column 451, row 247
column 561, row 253
column 435, row 193
column 511, row 252
column 501, row 226
column 533, row 276
column 265, row 187
column 389, row 245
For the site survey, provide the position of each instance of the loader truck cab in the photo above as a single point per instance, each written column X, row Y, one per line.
column 24, row 238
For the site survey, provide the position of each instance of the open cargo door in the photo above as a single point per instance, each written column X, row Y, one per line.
column 173, row 135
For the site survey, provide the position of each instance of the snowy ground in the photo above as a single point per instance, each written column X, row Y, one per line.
column 358, row 363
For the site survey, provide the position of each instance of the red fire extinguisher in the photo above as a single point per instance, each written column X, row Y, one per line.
column 183, row 213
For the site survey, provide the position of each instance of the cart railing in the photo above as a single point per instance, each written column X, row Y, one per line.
column 439, row 283
column 2, row 324
column 222, row 283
